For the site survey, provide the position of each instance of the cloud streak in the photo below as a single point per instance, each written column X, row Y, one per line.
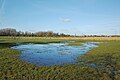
column 2, row 5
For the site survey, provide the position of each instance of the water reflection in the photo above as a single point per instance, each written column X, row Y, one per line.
column 53, row 53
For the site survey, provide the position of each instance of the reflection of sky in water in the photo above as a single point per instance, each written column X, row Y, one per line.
column 53, row 53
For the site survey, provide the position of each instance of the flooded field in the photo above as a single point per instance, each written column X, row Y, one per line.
column 52, row 53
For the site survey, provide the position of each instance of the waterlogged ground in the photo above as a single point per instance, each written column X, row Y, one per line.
column 53, row 53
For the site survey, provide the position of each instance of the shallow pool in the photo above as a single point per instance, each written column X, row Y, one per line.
column 53, row 53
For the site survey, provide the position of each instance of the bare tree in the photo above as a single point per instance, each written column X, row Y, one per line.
column 8, row 32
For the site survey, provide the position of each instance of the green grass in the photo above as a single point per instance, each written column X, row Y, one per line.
column 106, row 57
column 11, row 68
column 75, row 44
column 29, row 40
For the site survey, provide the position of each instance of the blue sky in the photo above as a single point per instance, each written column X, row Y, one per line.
column 67, row 16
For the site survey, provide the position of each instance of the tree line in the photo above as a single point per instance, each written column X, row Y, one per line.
column 14, row 32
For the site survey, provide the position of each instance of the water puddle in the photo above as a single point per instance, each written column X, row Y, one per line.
column 53, row 53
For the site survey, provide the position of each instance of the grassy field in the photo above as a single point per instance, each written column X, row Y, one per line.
column 77, row 43
column 101, row 63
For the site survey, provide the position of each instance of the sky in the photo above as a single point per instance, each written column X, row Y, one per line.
column 80, row 17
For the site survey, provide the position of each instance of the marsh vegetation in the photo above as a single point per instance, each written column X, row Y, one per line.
column 100, row 63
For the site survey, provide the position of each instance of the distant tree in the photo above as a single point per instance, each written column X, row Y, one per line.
column 8, row 32
column 62, row 35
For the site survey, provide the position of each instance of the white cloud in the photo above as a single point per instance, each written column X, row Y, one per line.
column 65, row 20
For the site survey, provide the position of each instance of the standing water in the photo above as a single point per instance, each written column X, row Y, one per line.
column 53, row 53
